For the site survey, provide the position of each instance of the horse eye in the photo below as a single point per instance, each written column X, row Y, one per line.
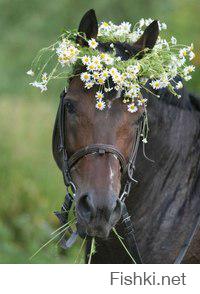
column 70, row 106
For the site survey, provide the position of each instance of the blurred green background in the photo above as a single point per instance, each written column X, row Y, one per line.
column 31, row 186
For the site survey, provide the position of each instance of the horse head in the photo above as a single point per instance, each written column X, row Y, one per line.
column 98, row 176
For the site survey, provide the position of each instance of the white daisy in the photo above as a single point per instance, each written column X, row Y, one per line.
column 86, row 60
column 99, row 95
column 100, row 105
column 173, row 40
column 156, row 84
column 30, row 72
column 179, row 85
column 191, row 55
column 89, row 85
column 85, row 77
column 93, row 43
column 183, row 52
column 144, row 140
column 44, row 77
column 132, row 107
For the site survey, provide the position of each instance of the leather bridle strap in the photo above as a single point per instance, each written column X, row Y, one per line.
column 99, row 149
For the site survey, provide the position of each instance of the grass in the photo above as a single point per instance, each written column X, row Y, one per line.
column 31, row 185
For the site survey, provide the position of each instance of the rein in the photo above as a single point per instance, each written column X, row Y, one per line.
column 100, row 149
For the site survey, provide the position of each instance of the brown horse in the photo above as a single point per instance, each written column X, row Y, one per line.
column 165, row 203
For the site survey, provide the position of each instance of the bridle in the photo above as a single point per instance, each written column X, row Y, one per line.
column 127, row 169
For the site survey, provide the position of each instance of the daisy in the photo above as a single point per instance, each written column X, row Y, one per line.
column 191, row 55
column 141, row 22
column 30, row 72
column 92, row 43
column 39, row 85
column 188, row 69
column 95, row 75
column 113, row 71
column 101, row 81
column 104, row 25
column 99, row 95
column 100, row 105
column 105, row 74
column 173, row 40
column 132, row 107
column 156, row 84
column 91, row 67
column 141, row 101
column 183, row 52
column 44, row 77
column 179, row 85
column 85, row 77
column 89, row 85
column 144, row 140
column 86, row 60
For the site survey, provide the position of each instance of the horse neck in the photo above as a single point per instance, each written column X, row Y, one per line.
column 167, row 195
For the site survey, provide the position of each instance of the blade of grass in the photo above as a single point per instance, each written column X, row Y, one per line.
column 126, row 249
column 70, row 221
column 92, row 250
column 80, row 250
column 47, row 243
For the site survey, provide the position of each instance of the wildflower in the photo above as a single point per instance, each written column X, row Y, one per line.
column 96, row 60
column 89, row 85
column 156, row 84
column 113, row 71
column 141, row 22
column 92, row 43
column 144, row 140
column 189, row 69
column 86, row 60
column 183, row 52
column 99, row 95
column 108, row 60
column 187, row 78
column 141, row 101
column 100, row 81
column 67, row 53
column 30, row 72
column 95, row 75
column 173, row 40
column 191, row 55
column 104, row 25
column 132, row 107
column 91, row 66
column 105, row 74
column 85, row 77
column 191, row 47
column 100, row 105
column 179, row 85
column 39, row 85
column 125, row 27
column 44, row 77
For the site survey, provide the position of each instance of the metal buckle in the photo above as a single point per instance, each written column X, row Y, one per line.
column 73, row 188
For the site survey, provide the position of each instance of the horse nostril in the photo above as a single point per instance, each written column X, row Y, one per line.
column 85, row 208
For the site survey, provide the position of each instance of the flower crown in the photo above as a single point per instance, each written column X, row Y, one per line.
column 159, row 65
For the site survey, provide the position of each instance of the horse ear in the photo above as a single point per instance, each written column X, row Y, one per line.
column 149, row 37
column 88, row 26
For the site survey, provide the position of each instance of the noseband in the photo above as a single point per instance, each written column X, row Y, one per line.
column 127, row 168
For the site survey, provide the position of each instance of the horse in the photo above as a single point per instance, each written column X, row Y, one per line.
column 164, row 203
